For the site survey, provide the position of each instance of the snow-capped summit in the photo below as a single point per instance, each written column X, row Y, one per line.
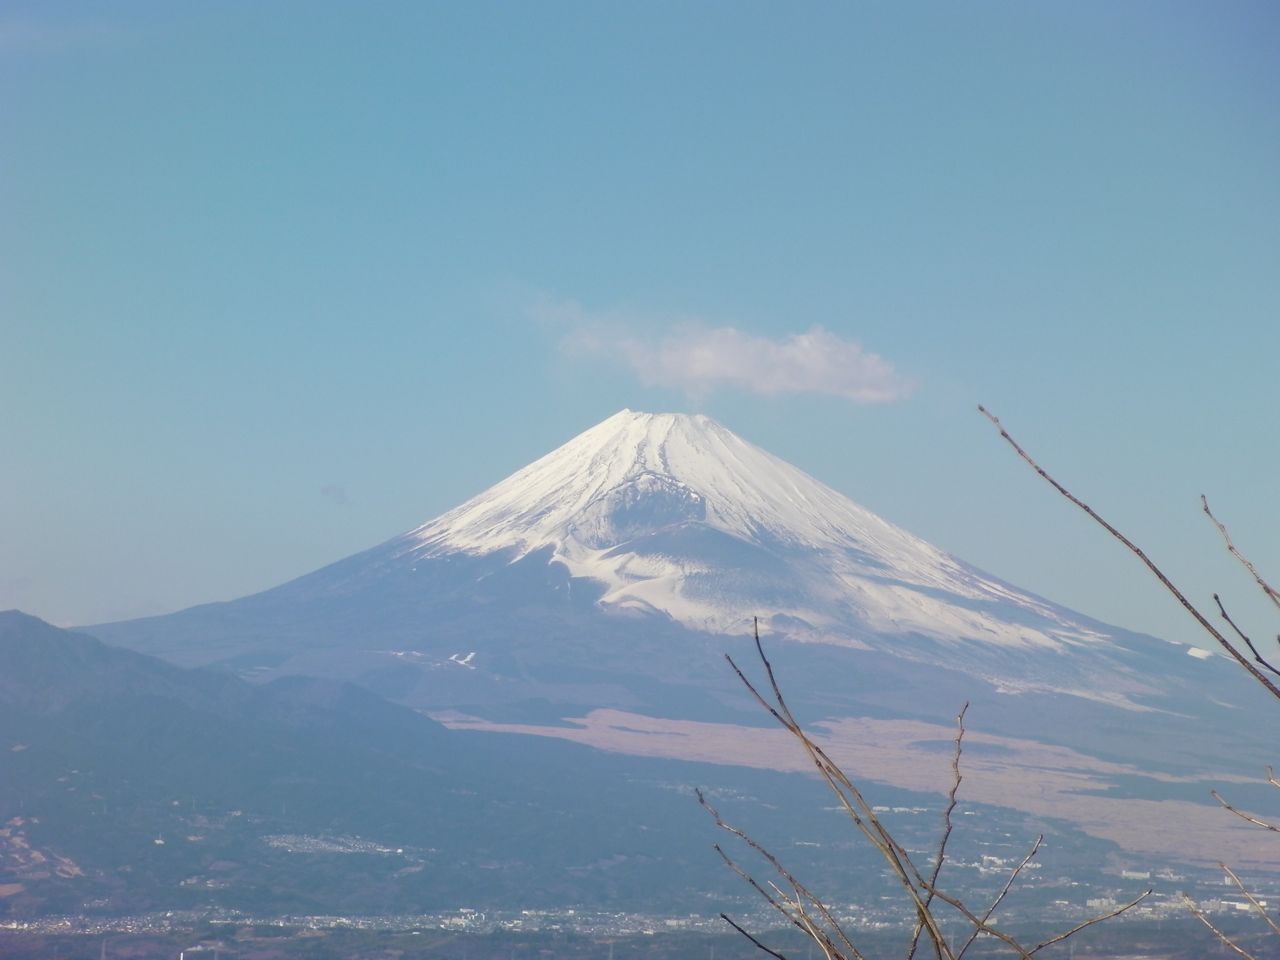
column 675, row 514
column 636, row 472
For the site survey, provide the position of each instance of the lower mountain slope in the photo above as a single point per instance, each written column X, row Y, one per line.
column 129, row 785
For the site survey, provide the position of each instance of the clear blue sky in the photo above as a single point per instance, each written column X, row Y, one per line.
column 280, row 280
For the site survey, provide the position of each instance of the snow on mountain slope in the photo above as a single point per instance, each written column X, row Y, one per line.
column 675, row 514
column 627, row 558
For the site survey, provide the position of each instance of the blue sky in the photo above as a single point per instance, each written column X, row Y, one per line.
column 280, row 280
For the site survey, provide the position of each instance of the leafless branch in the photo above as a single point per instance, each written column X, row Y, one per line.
column 816, row 934
column 1004, row 892
column 1271, row 593
column 947, row 826
column 1241, row 634
column 1250, row 897
column 773, row 953
column 851, row 799
column 750, row 880
column 862, row 816
column 1089, row 923
column 1269, row 590
column 983, row 926
column 807, row 912
column 1191, row 905
column 956, row 778
column 1242, row 815
column 791, row 908
column 1141, row 555
column 802, row 893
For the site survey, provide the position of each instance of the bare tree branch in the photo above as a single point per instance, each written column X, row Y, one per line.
column 808, row 913
column 983, row 926
column 1240, row 633
column 791, row 908
column 1271, row 593
column 820, row 761
column 1140, row 554
column 816, row 934
column 1089, row 923
column 1250, row 897
column 947, row 826
column 1004, row 891
column 729, row 861
column 801, row 891
column 1242, row 815
column 773, row 953
column 1269, row 590
column 1191, row 905
column 900, row 863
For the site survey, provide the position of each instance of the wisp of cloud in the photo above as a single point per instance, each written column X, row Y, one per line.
column 818, row 361
column 700, row 359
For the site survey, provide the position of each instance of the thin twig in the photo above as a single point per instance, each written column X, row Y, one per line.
column 801, row 890
column 1250, row 897
column 752, row 882
column 1241, row 634
column 983, row 926
column 1242, row 815
column 865, row 818
column 1004, row 892
column 789, row 907
column 900, row 862
column 859, row 810
column 797, row 914
column 818, row 758
column 821, row 926
column 838, row 781
column 816, row 934
column 947, row 826
column 1191, row 905
column 1269, row 590
column 773, row 953
column 1140, row 554
column 1089, row 923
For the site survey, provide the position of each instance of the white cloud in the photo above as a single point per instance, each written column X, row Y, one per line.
column 698, row 358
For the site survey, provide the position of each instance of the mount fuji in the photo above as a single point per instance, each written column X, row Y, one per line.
column 592, row 594
column 662, row 523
